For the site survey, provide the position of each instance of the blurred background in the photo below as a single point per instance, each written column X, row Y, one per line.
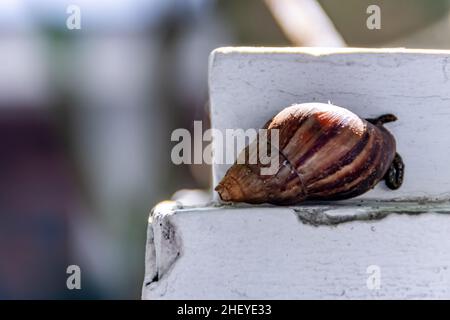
column 86, row 117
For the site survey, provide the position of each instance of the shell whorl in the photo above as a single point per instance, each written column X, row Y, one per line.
column 325, row 153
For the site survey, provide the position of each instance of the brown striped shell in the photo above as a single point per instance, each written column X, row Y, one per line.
column 325, row 153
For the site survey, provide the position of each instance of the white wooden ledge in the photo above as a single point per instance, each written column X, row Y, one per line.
column 318, row 250
column 298, row 253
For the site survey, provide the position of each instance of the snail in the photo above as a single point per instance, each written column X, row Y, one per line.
column 325, row 152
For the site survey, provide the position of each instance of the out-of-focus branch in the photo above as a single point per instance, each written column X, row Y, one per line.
column 305, row 23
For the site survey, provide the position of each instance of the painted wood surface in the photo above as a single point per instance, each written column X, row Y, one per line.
column 270, row 253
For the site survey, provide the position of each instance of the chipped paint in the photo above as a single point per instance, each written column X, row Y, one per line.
column 164, row 245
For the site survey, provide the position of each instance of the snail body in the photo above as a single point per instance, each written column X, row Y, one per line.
column 325, row 153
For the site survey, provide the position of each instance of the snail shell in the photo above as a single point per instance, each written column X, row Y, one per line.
column 325, row 153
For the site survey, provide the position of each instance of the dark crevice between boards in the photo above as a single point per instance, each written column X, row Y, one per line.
column 335, row 215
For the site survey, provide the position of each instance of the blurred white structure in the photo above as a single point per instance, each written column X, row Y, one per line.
column 305, row 23
column 24, row 74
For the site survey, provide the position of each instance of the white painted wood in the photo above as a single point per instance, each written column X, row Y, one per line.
column 320, row 250
column 250, row 85
column 267, row 253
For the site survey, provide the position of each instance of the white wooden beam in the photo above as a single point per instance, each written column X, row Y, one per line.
column 250, row 85
column 270, row 253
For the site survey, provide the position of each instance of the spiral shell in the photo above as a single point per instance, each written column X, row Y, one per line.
column 325, row 153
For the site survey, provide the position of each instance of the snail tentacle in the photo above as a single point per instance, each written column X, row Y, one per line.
column 385, row 118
